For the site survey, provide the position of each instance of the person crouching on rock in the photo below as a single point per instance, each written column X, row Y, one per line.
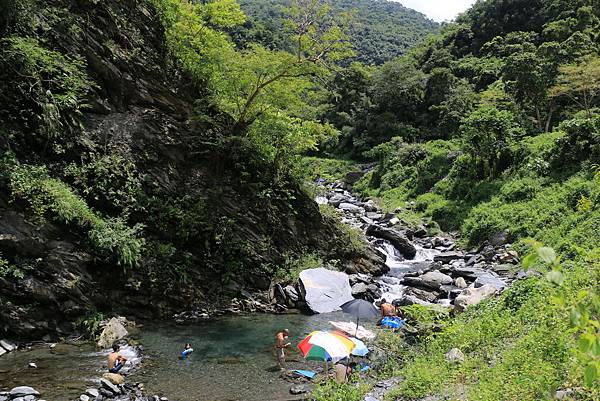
column 387, row 310
column 281, row 342
column 186, row 351
column 116, row 361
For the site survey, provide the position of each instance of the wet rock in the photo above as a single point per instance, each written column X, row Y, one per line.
column 325, row 289
column 472, row 296
column 435, row 279
column 3, row 351
column 92, row 392
column 447, row 257
column 337, row 199
column 499, row 238
column 420, row 232
column 349, row 207
column 105, row 393
column 374, row 215
column 299, row 389
column 107, row 385
column 8, row 345
column 84, row 397
column 359, row 289
column 490, row 279
column 428, row 296
column 455, row 356
column 114, row 378
column 396, row 238
column 23, row 391
column 460, row 282
column 113, row 331
column 32, row 365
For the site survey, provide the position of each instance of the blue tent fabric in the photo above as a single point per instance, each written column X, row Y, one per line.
column 306, row 373
column 392, row 322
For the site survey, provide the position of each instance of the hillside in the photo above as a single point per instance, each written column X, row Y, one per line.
column 492, row 129
column 380, row 31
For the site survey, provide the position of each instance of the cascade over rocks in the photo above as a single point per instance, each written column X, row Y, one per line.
column 396, row 238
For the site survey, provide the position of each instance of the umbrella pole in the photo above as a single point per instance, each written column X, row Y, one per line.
column 356, row 331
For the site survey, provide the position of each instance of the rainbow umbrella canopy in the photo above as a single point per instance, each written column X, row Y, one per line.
column 326, row 346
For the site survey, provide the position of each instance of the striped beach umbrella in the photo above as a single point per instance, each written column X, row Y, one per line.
column 326, row 346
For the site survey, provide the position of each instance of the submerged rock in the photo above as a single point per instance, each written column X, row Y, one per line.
column 455, row 356
column 325, row 289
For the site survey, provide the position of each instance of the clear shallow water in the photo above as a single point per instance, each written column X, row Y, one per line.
column 233, row 358
column 61, row 374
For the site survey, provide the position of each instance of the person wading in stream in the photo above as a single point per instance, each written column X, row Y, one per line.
column 115, row 360
column 281, row 342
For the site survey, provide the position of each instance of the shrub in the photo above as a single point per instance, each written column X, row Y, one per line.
column 48, row 195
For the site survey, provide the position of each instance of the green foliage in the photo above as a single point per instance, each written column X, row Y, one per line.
column 46, row 195
column 47, row 87
column 8, row 269
column 333, row 391
column 109, row 181
column 312, row 168
column 90, row 324
column 293, row 266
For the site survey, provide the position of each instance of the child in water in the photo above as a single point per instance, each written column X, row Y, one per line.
column 187, row 351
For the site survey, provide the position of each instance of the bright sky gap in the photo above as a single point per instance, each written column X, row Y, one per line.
column 439, row 10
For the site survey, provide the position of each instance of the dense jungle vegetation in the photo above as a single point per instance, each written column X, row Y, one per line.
column 167, row 145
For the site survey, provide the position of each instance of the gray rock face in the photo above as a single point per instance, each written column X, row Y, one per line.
column 22, row 391
column 325, row 289
column 460, row 282
column 396, row 238
column 352, row 177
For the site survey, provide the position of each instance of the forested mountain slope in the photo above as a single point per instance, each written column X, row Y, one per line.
column 492, row 129
column 380, row 30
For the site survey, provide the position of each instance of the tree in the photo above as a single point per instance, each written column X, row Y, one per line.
column 488, row 134
column 579, row 82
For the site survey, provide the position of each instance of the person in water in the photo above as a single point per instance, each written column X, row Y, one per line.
column 186, row 351
column 281, row 342
column 116, row 361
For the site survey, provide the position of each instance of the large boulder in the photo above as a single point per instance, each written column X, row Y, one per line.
column 490, row 279
column 396, row 238
column 325, row 289
column 107, row 385
column 472, row 296
column 113, row 331
column 435, row 279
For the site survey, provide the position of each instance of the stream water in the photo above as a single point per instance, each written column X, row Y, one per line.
column 233, row 357
column 233, row 360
